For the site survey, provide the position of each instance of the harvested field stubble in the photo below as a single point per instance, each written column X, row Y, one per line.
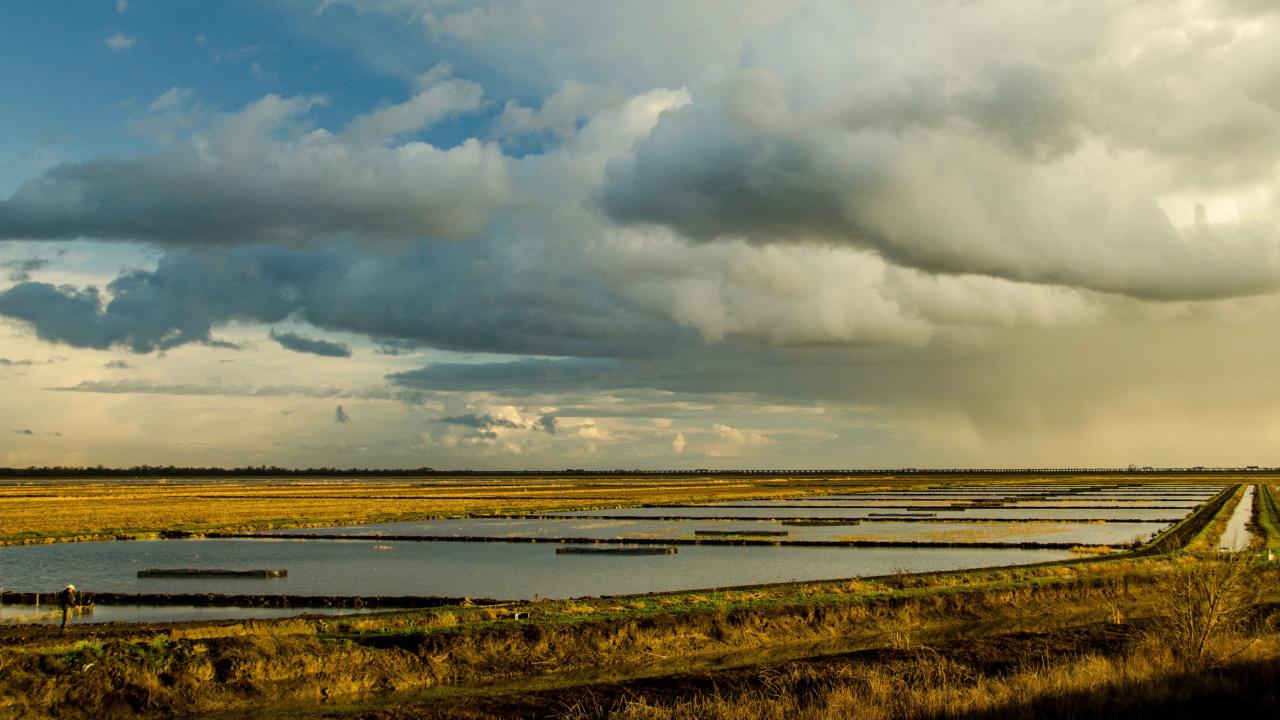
column 50, row 511
column 92, row 510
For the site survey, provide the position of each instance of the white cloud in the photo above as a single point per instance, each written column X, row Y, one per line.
column 767, row 215
column 287, row 180
column 120, row 42
column 174, row 97
column 953, row 159
column 438, row 96
column 727, row 441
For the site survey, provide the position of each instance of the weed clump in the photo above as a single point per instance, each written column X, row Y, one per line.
column 1207, row 604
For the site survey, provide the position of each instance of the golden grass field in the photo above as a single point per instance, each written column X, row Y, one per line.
column 44, row 511
column 40, row 512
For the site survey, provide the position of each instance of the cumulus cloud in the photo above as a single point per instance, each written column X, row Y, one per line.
column 480, row 422
column 548, row 424
column 788, row 295
column 553, row 278
column 880, row 206
column 438, row 97
column 298, row 343
column 558, row 116
column 955, row 160
column 138, row 316
column 440, row 295
column 505, row 417
column 726, row 441
column 286, row 180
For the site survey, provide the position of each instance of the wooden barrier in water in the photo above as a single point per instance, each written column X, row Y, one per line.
column 821, row 521
column 741, row 533
column 648, row 550
column 211, row 573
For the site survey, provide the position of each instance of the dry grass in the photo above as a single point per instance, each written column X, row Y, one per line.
column 900, row 620
column 1092, row 549
column 1195, row 652
column 933, row 686
column 39, row 512
column 42, row 510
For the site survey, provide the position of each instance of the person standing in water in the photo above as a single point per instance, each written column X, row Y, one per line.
column 67, row 599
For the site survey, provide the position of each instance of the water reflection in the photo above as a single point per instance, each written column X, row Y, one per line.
column 463, row 569
column 1111, row 533
column 1236, row 536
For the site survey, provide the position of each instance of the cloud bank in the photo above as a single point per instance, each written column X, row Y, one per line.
column 748, row 207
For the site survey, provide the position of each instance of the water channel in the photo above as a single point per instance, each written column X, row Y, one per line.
column 1236, row 536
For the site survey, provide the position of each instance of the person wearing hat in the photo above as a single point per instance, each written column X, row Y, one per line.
column 67, row 599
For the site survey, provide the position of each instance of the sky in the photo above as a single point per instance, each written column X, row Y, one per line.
column 723, row 234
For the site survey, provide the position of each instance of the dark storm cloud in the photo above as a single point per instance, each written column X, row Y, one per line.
column 298, row 343
column 480, row 422
column 945, row 204
column 548, row 424
column 392, row 346
column 77, row 317
column 805, row 374
column 20, row 270
column 461, row 297
column 957, row 160
column 526, row 373
column 177, row 304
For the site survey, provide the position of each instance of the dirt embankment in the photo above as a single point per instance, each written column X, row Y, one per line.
column 50, row 599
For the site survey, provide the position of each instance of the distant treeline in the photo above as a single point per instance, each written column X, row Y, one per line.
column 260, row 471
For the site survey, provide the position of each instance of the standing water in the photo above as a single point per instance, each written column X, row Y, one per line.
column 1237, row 536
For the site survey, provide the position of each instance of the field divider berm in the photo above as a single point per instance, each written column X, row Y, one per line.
column 1184, row 532
column 711, row 541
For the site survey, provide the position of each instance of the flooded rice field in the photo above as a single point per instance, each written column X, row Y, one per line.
column 779, row 531
column 798, row 511
column 711, row 546
column 465, row 569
